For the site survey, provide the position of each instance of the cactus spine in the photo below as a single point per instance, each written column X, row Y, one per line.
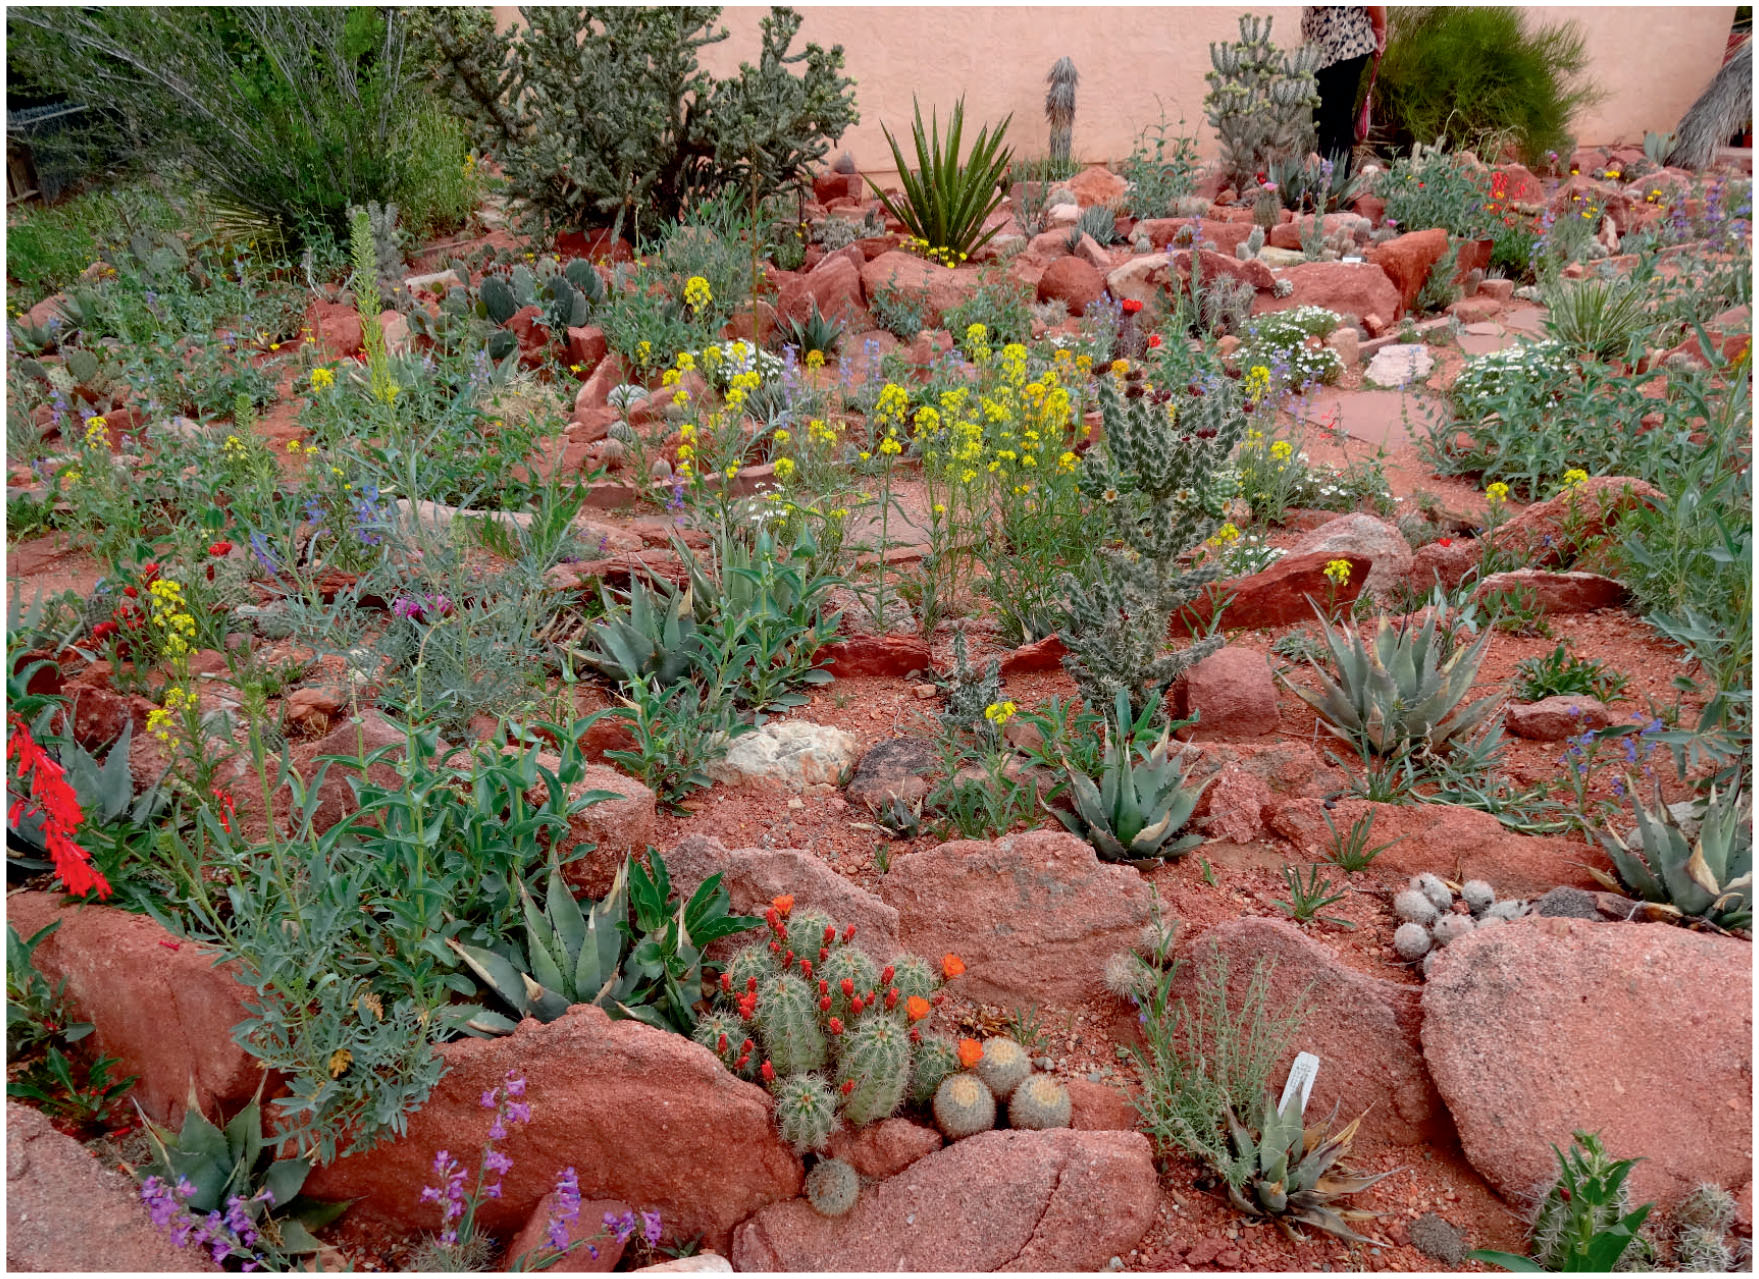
column 937, row 1057
column 832, row 1188
column 1003, row 1066
column 1039, row 1102
column 787, row 1021
column 876, row 1059
column 721, row 1035
column 806, row 1112
column 964, row 1107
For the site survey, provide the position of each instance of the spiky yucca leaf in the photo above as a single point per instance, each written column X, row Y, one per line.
column 1400, row 692
column 945, row 202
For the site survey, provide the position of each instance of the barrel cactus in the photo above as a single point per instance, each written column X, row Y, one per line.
column 1003, row 1066
column 964, row 1106
column 832, row 1187
column 937, row 1057
column 1040, row 1101
column 874, row 1068
column 787, row 1022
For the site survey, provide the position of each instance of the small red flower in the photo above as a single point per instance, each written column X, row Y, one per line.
column 747, row 1046
column 849, row 934
column 886, row 975
column 767, row 1071
column 103, row 630
column 848, row 1086
column 220, row 548
column 855, row 1005
column 824, row 953
column 721, row 1044
column 788, row 960
column 1131, row 306
column 1154, row 340
column 726, row 984
column 740, row 1064
column 830, row 933
column 1446, row 541
column 131, row 592
column 783, row 904
column 824, row 1004
column 805, row 968
column 775, row 948
column 149, row 570
column 824, row 987
column 836, row 1026
column 848, row 987
column 772, row 918
column 751, row 983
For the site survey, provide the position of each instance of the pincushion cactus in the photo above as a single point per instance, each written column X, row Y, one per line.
column 1430, row 920
column 1411, row 941
column 876, row 1060
column 1414, row 907
column 964, row 1106
column 1478, row 895
column 806, row 1112
column 1003, row 1066
column 937, row 1057
column 914, row 977
column 1040, row 1101
column 1450, row 928
column 832, row 1187
column 787, row 1023
column 1431, row 886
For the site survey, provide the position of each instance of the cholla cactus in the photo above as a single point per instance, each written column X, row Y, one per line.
column 1155, row 474
column 1260, row 101
column 971, row 693
column 1059, row 110
column 1249, row 248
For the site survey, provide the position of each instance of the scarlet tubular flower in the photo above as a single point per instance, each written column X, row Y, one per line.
column 848, row 985
column 849, row 934
column 830, row 933
column 783, row 904
column 805, row 968
column 886, row 975
column 824, row 1003
column 836, row 1026
column 50, row 795
column 768, row 1072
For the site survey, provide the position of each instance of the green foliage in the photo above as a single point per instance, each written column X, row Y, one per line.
column 234, row 1169
column 937, row 1058
column 1001, row 304
column 1433, row 189
column 1141, row 802
column 652, row 634
column 1481, row 76
column 945, row 202
column 36, row 1012
column 1709, row 877
column 48, row 247
column 1400, row 694
column 292, row 114
column 812, row 333
column 875, row 1058
column 1585, row 1223
column 1161, row 492
column 1596, row 317
column 970, row 693
column 1308, row 895
column 1307, row 185
column 1351, row 852
column 1290, row 1173
column 601, row 114
column 79, row 1094
column 1160, row 170
column 1260, row 101
column 440, row 185
column 897, row 312
column 679, row 731
column 1560, row 673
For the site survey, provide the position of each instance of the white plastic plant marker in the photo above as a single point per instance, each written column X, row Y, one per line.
column 1301, row 1077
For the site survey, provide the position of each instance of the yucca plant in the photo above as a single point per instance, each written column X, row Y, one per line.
column 1136, row 811
column 1710, row 878
column 653, row 634
column 1288, row 1172
column 945, row 202
column 651, row 971
column 1595, row 317
column 1402, row 692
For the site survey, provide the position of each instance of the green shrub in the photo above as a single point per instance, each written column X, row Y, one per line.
column 292, row 114
column 1001, row 304
column 1596, row 317
column 1478, row 76
column 1160, row 170
column 600, row 114
column 439, row 185
column 47, row 248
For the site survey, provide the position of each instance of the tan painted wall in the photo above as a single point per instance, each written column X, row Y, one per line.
column 1651, row 60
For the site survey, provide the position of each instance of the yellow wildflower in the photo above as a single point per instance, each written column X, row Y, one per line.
column 1497, row 493
column 1574, row 477
column 784, row 468
column 1338, row 571
column 999, row 713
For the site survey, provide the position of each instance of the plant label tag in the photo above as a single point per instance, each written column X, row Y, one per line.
column 1301, row 1077
column 1352, row 260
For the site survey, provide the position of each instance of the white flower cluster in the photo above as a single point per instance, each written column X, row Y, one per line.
column 1488, row 377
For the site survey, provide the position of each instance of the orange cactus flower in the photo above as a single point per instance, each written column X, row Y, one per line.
column 916, row 1008
column 952, row 966
column 970, row 1053
column 783, row 904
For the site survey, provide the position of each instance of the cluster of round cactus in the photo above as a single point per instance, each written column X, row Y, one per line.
column 1430, row 917
column 997, row 1071
column 828, row 1029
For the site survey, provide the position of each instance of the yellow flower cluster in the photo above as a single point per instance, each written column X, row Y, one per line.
column 1338, row 571
column 235, row 448
column 1497, row 493
column 171, row 615
column 815, row 359
column 97, row 433
column 1573, row 478
column 161, row 718
column 934, row 252
column 696, row 293
column 1227, row 535
column 1256, row 382
column 999, row 713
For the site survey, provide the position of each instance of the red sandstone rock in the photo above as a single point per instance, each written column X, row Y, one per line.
column 1279, row 595
column 586, row 347
column 884, row 1149
column 1558, row 592
column 1548, row 1025
column 1354, row 290
column 1043, row 940
column 1100, row 1107
column 1406, row 259
column 1073, row 282
column 1552, row 719
column 1097, row 184
column 1447, row 564
column 1232, row 691
column 335, row 329
column 890, row 655
column 911, row 275
column 1358, row 534
column 599, row 1255
column 834, row 286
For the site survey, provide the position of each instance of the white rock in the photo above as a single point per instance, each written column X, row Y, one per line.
column 701, row 1261
column 1400, row 364
column 793, row 754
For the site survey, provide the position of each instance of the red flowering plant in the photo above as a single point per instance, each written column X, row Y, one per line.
column 43, row 791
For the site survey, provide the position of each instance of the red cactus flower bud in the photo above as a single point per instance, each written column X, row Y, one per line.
column 855, row 1005
column 886, row 975
column 915, row 1035
column 824, row 953
column 848, row 985
column 767, row 1071
column 721, row 1044
column 824, row 1004
column 775, row 948
column 824, row 987
column 751, row 984
column 848, row 934
column 836, row 1026
column 771, row 918
column 806, row 969
column 788, row 960
column 939, row 998
column 830, row 933
column 891, row 999
column 740, row 1064
column 726, row 983
column 848, row 1086
column 747, row 1046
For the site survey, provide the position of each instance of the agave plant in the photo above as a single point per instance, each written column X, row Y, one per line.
column 945, row 202
column 1136, row 811
column 651, row 972
column 1710, row 878
column 653, row 634
column 1404, row 691
column 1288, row 1172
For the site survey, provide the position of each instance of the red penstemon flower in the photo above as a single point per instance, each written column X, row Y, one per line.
column 51, row 796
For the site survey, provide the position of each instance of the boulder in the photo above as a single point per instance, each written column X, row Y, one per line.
column 1446, row 561
column 793, row 754
column 159, row 1003
column 900, row 767
column 1547, row 532
column 1552, row 719
column 1233, row 693
column 1073, row 282
column 1473, row 310
column 1213, row 265
column 586, row 347
column 590, row 402
column 1558, row 592
column 1041, row 655
column 1400, row 364
column 754, row 877
column 696, row 1263
column 1278, row 595
column 1448, row 839
column 1034, row 916
column 100, row 714
column 1180, row 232
column 1054, row 1200
column 1287, row 235
column 1406, row 259
column 834, row 286
column 838, row 186
column 67, row 1211
column 1347, row 342
column 308, row 711
column 912, row 275
column 1501, row 291
column 1640, row 1032
column 1362, row 535
column 335, row 328
column 1091, row 252
column 1139, row 279
column 1236, row 806
column 1097, row 184
column 1100, row 1107
column 643, row 1115
column 1364, row 1030
column 617, row 828
column 599, row 1255
column 884, row 1149
column 1354, row 290
column 855, row 656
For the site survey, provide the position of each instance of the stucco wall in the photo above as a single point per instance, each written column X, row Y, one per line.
column 1651, row 60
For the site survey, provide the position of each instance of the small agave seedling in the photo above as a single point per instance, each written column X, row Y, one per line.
column 1709, row 879
column 1289, row 1173
column 1136, row 811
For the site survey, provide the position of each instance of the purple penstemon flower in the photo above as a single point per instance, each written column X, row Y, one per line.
column 564, row 1212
